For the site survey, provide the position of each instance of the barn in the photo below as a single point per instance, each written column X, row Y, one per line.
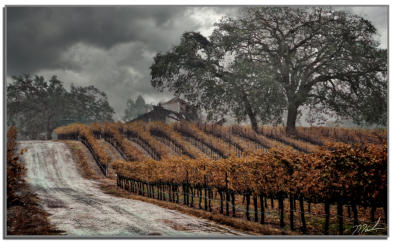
column 173, row 110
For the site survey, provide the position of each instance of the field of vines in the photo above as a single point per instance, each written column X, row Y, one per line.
column 318, row 181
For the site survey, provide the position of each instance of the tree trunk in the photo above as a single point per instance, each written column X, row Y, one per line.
column 291, row 118
column 253, row 121
column 49, row 134
column 249, row 111
column 49, row 130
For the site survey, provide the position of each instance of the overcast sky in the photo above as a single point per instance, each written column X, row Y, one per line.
column 112, row 48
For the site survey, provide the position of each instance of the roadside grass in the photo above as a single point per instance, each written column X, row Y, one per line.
column 28, row 218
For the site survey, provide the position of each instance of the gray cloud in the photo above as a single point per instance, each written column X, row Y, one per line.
column 36, row 36
column 112, row 47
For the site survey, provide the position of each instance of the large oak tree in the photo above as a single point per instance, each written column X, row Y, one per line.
column 275, row 58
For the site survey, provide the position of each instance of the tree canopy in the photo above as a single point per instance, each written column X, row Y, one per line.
column 275, row 59
column 35, row 105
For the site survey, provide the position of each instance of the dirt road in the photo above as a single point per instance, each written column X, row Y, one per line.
column 80, row 208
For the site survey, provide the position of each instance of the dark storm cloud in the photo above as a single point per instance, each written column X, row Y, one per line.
column 37, row 36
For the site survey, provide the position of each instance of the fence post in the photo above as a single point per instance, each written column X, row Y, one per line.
column 327, row 220
column 200, row 197
column 303, row 227
column 340, row 216
column 291, row 197
column 209, row 199
column 192, row 196
column 256, row 219
column 355, row 214
column 281, row 207
column 373, row 209
column 106, row 169
column 262, row 208
column 221, row 201
column 227, row 203
column 247, row 206
column 233, row 202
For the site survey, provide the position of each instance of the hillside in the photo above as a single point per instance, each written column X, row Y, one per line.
column 317, row 181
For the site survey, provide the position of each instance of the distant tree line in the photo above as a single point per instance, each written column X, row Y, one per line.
column 135, row 108
column 37, row 106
